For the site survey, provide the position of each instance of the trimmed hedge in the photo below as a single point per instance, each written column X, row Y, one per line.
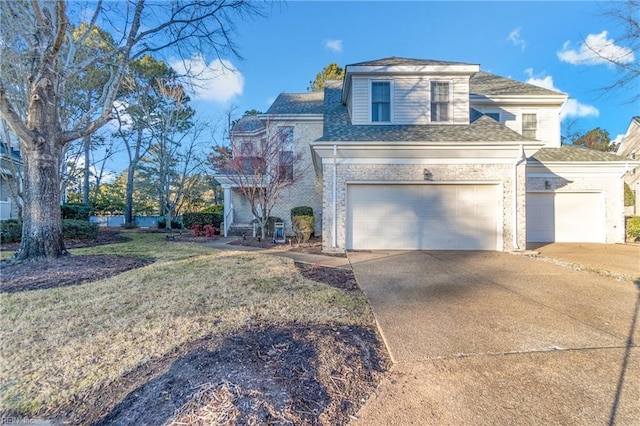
column 73, row 229
column 76, row 211
column 303, row 227
column 202, row 218
column 633, row 228
column 10, row 231
column 301, row 211
column 216, row 208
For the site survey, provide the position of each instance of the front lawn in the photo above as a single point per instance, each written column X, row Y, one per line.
column 102, row 350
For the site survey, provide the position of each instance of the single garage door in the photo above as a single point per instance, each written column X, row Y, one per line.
column 423, row 217
column 565, row 217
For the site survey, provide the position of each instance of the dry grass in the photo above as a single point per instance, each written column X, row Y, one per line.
column 59, row 345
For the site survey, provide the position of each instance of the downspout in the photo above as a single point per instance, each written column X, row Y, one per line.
column 334, row 225
column 519, row 160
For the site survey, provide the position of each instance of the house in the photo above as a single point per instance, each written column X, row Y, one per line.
column 630, row 147
column 11, row 167
column 423, row 154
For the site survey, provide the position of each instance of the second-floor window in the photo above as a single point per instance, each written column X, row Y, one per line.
column 529, row 125
column 381, row 101
column 440, row 101
column 285, row 165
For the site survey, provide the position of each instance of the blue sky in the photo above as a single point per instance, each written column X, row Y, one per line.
column 539, row 42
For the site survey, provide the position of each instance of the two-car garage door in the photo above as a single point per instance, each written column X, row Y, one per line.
column 423, row 216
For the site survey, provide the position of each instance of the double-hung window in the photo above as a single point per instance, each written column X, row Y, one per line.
column 440, row 101
column 285, row 153
column 529, row 125
column 380, row 101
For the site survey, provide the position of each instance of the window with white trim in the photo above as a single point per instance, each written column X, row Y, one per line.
column 440, row 101
column 381, row 101
column 285, row 154
column 529, row 125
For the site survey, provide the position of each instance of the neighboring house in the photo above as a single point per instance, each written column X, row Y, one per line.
column 10, row 178
column 630, row 148
column 422, row 154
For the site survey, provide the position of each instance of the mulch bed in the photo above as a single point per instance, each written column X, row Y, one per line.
column 276, row 374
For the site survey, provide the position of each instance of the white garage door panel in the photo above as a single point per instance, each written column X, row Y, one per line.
column 565, row 217
column 415, row 217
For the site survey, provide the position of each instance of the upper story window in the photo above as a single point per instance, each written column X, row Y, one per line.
column 440, row 101
column 285, row 153
column 381, row 101
column 529, row 125
column 246, row 149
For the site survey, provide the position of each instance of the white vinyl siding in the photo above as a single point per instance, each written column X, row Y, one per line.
column 410, row 99
column 360, row 101
column 422, row 216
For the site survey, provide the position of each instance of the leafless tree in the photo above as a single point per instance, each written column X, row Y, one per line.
column 625, row 15
column 261, row 169
column 36, row 35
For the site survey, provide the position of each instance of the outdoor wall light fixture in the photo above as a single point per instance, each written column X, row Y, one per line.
column 547, row 184
column 427, row 174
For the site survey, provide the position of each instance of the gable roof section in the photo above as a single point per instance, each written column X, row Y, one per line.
column 397, row 61
column 338, row 127
column 574, row 154
column 487, row 84
column 297, row 103
column 630, row 145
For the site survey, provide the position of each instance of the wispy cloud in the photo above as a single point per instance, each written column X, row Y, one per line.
column 515, row 39
column 572, row 108
column 218, row 81
column 333, row 45
column 596, row 49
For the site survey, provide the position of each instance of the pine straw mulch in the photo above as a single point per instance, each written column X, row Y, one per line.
column 287, row 374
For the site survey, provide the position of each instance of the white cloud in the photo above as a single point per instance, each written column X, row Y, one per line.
column 333, row 45
column 514, row 38
column 595, row 50
column 572, row 108
column 218, row 81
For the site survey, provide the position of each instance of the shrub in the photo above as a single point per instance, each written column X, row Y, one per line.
column 201, row 218
column 76, row 211
column 629, row 197
column 162, row 223
column 633, row 228
column 10, row 231
column 301, row 211
column 303, row 227
column 216, row 208
column 73, row 229
column 176, row 224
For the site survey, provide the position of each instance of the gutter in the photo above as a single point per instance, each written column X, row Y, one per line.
column 522, row 158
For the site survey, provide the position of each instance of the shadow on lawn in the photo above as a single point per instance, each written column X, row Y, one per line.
column 292, row 375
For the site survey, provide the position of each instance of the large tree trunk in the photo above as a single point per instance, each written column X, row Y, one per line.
column 129, row 220
column 42, row 222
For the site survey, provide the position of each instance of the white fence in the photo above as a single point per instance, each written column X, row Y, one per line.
column 118, row 220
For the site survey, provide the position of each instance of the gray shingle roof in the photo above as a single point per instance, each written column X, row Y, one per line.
column 484, row 83
column 297, row 103
column 396, row 61
column 249, row 124
column 572, row 153
column 338, row 127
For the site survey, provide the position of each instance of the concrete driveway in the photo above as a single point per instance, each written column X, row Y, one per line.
column 486, row 338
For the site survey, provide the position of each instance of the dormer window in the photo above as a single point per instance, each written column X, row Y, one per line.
column 381, row 101
column 529, row 125
column 440, row 101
